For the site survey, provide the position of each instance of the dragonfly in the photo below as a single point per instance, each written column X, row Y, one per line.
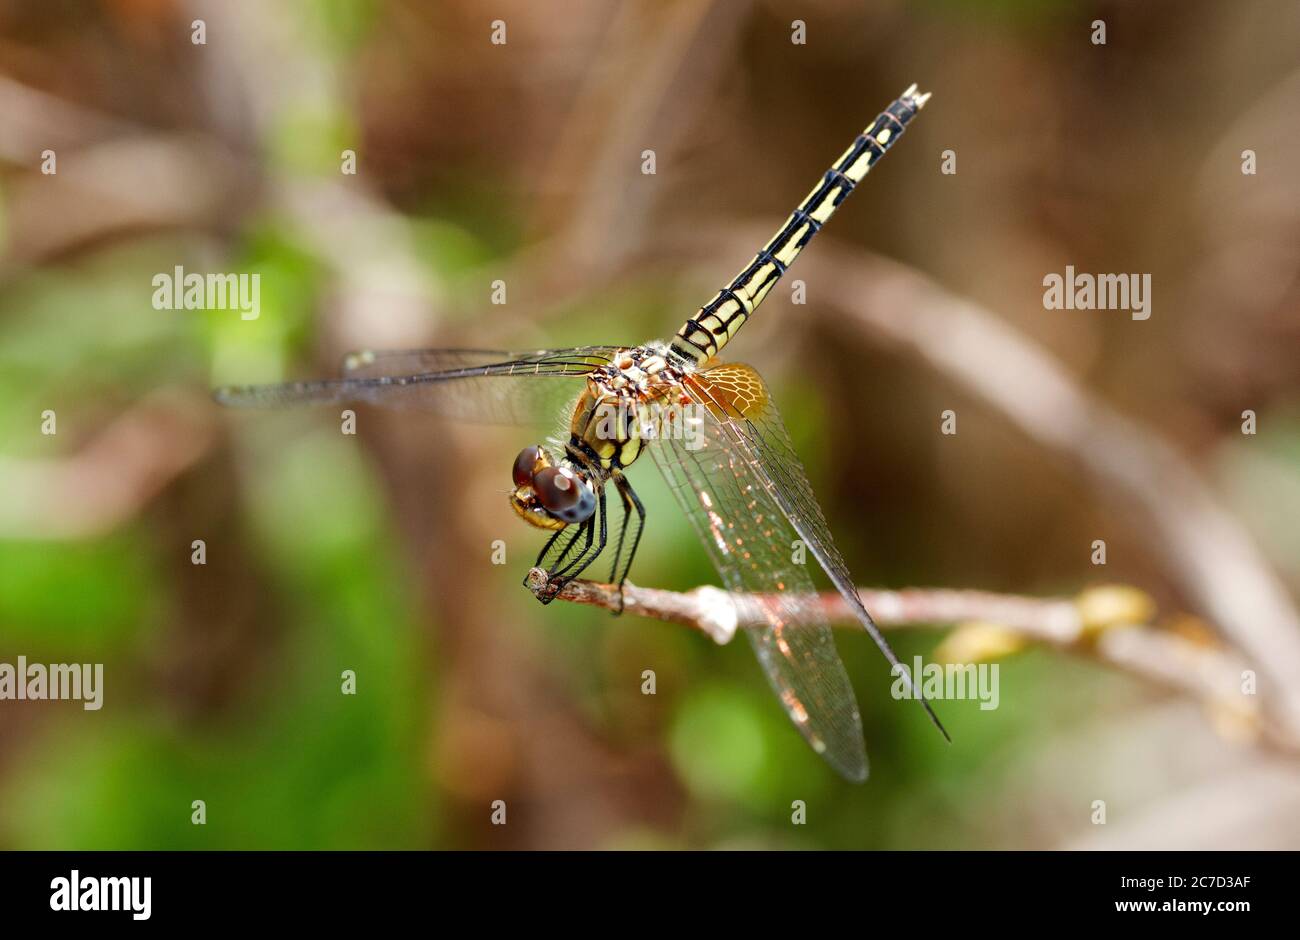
column 710, row 427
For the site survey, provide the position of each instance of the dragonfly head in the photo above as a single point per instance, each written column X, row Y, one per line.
column 549, row 496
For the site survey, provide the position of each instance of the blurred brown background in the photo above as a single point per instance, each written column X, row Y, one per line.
column 521, row 162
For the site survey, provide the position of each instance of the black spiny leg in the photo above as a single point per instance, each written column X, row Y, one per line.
column 557, row 576
column 622, row 537
column 571, row 536
column 631, row 503
column 557, row 572
column 547, row 547
column 589, row 554
column 552, row 555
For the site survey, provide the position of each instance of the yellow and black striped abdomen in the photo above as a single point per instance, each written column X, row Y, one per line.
column 717, row 322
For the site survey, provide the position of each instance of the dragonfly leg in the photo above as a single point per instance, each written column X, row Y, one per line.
column 553, row 561
column 558, row 576
column 622, row 535
column 589, row 552
column 557, row 571
column 552, row 556
column 631, row 504
column 549, row 542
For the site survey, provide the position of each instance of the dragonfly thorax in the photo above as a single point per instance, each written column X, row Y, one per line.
column 621, row 400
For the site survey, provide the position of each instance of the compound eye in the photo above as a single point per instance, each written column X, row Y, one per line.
column 525, row 463
column 557, row 490
column 563, row 495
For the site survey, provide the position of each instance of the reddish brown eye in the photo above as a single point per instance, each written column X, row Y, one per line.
column 562, row 495
column 524, row 464
column 556, row 490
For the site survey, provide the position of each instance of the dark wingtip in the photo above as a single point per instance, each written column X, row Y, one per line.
column 934, row 720
column 894, row 664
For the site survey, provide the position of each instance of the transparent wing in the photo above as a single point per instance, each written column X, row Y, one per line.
column 377, row 363
column 736, row 399
column 486, row 386
column 752, row 544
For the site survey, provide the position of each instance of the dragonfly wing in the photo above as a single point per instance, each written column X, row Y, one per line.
column 751, row 543
column 734, row 396
column 487, row 386
column 375, row 363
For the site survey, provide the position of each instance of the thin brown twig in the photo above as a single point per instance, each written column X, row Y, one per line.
column 1109, row 625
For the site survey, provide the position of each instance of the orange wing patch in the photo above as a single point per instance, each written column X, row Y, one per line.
column 733, row 390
